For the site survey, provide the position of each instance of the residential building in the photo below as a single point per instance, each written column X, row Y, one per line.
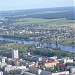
column 67, row 60
column 10, row 67
column 15, row 54
column 51, row 64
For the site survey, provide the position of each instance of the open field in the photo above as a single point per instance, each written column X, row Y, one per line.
column 72, row 25
column 49, row 22
column 69, row 41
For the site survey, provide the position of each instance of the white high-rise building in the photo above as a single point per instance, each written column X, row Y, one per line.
column 1, row 73
column 15, row 54
column 3, row 60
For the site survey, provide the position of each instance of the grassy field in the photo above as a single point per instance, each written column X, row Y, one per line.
column 50, row 22
column 69, row 41
column 15, row 46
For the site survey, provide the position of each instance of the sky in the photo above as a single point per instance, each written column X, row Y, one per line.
column 31, row 4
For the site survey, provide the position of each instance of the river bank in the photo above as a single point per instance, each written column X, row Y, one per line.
column 60, row 46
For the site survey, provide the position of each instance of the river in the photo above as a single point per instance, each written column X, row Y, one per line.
column 61, row 46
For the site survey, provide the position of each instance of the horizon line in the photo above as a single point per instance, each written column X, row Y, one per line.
column 33, row 8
